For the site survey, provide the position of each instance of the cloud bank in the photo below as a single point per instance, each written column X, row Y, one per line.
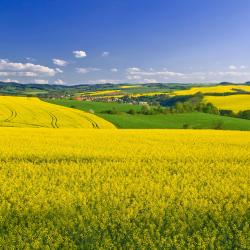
column 8, row 68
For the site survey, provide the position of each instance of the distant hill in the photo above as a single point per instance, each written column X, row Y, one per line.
column 31, row 89
column 50, row 90
column 56, row 91
column 226, row 83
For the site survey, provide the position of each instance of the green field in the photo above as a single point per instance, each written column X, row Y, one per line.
column 97, row 107
column 191, row 120
column 175, row 121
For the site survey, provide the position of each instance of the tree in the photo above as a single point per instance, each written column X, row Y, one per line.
column 146, row 110
column 226, row 112
column 244, row 114
column 179, row 107
column 131, row 112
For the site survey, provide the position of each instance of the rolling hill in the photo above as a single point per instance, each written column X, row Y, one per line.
column 235, row 103
column 219, row 89
column 32, row 112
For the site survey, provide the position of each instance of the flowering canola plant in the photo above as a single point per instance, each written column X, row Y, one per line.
column 32, row 112
column 235, row 103
column 214, row 89
column 124, row 189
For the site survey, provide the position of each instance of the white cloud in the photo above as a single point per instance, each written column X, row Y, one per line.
column 104, row 81
column 232, row 67
column 229, row 73
column 27, row 74
column 151, row 72
column 79, row 53
column 25, row 69
column 150, row 80
column 233, row 75
column 30, row 59
column 59, row 70
column 59, row 81
column 105, row 54
column 152, row 75
column 114, row 70
column 7, row 73
column 59, row 62
column 41, row 81
column 9, row 80
column 133, row 70
column 20, row 74
column 85, row 70
column 133, row 77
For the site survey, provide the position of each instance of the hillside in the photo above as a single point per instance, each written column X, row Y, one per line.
column 235, row 103
column 193, row 120
column 225, row 97
column 219, row 89
column 53, row 90
column 32, row 112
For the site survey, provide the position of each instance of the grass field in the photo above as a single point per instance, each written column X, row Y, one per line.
column 97, row 107
column 193, row 120
column 213, row 89
column 174, row 121
column 32, row 112
column 124, row 189
column 233, row 102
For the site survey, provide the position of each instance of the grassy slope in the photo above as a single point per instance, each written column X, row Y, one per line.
column 194, row 120
column 96, row 106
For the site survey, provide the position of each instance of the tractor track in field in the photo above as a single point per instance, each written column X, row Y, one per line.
column 12, row 116
column 31, row 124
column 54, row 120
column 94, row 124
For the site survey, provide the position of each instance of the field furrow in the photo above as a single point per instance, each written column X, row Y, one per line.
column 32, row 112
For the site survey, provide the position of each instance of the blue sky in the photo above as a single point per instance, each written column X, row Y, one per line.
column 97, row 41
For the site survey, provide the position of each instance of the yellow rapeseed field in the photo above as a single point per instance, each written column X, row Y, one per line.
column 213, row 89
column 124, row 189
column 130, row 86
column 150, row 94
column 232, row 102
column 32, row 112
column 101, row 92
